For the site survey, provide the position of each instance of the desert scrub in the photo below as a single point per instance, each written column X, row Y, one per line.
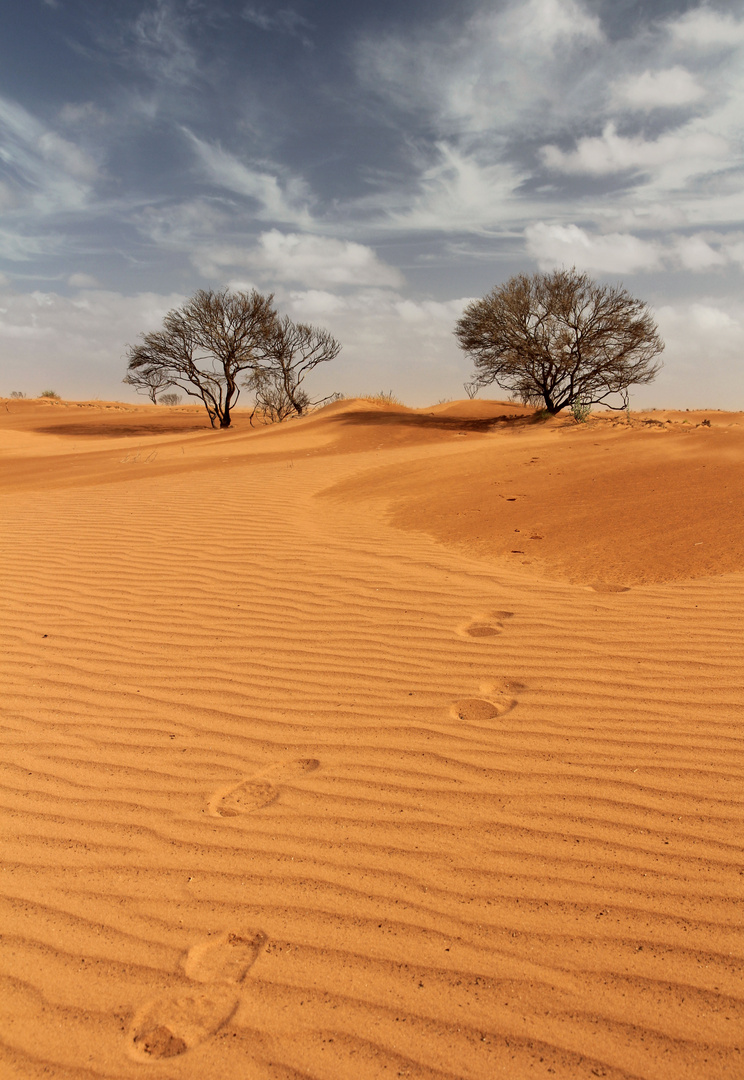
column 580, row 411
column 50, row 394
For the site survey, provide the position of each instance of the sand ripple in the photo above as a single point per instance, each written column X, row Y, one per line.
column 290, row 793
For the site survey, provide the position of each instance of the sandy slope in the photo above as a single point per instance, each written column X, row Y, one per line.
column 318, row 763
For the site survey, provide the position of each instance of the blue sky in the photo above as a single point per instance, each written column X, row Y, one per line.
column 375, row 166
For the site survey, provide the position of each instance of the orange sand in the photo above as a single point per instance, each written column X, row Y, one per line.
column 382, row 743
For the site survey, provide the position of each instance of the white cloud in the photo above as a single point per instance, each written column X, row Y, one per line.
column 704, row 28
column 690, row 153
column 310, row 304
column 670, row 88
column 569, row 245
column 432, row 316
column 305, row 259
column 695, row 253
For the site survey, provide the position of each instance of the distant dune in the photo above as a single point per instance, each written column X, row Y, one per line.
column 385, row 742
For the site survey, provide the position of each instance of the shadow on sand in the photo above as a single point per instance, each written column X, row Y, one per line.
column 116, row 431
column 434, row 422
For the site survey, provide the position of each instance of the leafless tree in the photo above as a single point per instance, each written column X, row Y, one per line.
column 560, row 338
column 148, row 381
column 293, row 350
column 170, row 399
column 207, row 345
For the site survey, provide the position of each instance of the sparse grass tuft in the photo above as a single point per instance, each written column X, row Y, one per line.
column 50, row 394
column 383, row 398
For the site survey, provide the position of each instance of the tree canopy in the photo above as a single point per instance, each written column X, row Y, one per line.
column 561, row 338
column 219, row 342
column 206, row 345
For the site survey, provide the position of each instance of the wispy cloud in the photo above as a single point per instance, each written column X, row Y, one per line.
column 160, row 43
column 41, row 165
column 285, row 20
column 280, row 199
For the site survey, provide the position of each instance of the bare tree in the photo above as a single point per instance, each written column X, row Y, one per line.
column 148, row 381
column 170, row 399
column 293, row 350
column 560, row 338
column 206, row 346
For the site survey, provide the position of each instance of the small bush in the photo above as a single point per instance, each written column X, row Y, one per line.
column 170, row 399
column 580, row 411
column 50, row 394
column 17, row 394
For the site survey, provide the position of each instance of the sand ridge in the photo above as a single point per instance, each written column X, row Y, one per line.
column 301, row 777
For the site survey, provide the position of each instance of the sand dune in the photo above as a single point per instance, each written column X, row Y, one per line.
column 381, row 743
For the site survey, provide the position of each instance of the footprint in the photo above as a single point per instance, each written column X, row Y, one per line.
column 477, row 710
column 248, row 796
column 490, row 627
column 258, row 791
column 607, row 587
column 224, row 959
column 170, row 1026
